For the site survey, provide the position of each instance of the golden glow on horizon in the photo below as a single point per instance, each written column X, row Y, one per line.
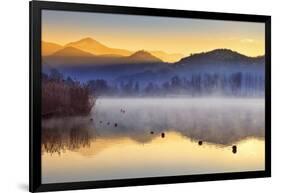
column 171, row 35
column 181, row 45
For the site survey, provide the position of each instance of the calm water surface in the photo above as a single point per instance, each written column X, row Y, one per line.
column 122, row 138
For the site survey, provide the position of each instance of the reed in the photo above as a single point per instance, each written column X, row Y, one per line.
column 60, row 98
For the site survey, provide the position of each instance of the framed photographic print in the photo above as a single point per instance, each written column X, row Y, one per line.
column 124, row 96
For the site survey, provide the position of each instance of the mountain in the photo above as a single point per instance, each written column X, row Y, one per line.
column 97, row 48
column 71, row 52
column 143, row 56
column 219, row 56
column 144, row 67
column 166, row 56
column 222, row 62
column 74, row 57
column 49, row 48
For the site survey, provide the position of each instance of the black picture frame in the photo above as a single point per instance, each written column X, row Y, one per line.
column 35, row 184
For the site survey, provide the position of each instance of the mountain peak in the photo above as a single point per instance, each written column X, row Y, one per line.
column 141, row 53
column 86, row 42
column 226, row 53
column 217, row 55
column 222, row 53
column 87, row 39
column 144, row 56
column 91, row 45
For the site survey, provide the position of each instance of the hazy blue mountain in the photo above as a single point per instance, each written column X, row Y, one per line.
column 220, row 61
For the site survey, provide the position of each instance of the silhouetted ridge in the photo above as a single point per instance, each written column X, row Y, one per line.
column 86, row 42
column 71, row 51
column 93, row 46
column 219, row 55
column 143, row 55
column 48, row 48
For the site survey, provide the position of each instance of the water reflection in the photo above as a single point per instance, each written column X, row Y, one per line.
column 59, row 135
column 133, row 138
column 222, row 122
column 120, row 158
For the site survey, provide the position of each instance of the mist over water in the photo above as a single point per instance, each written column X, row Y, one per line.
column 215, row 120
column 122, row 138
column 123, row 112
column 220, row 121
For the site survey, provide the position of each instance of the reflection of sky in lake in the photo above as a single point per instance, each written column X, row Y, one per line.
column 118, row 142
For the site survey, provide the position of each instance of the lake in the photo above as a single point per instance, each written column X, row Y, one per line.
column 150, row 137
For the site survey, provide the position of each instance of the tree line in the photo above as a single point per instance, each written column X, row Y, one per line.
column 204, row 84
column 235, row 84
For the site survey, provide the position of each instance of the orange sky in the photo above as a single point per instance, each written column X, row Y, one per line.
column 172, row 35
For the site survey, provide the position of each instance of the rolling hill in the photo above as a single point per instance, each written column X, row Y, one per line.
column 97, row 48
column 143, row 56
column 218, row 56
column 71, row 57
column 71, row 52
column 49, row 48
column 220, row 61
column 94, row 47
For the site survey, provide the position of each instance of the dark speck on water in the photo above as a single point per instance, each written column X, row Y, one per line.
column 100, row 121
column 151, row 132
column 162, row 135
column 122, row 110
column 108, row 123
column 234, row 149
column 115, row 124
column 200, row 142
